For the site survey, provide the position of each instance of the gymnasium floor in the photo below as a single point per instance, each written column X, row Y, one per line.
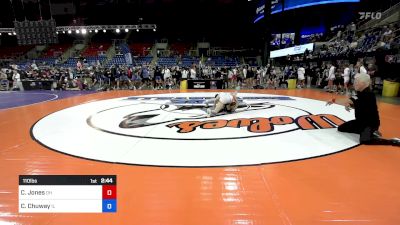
column 269, row 164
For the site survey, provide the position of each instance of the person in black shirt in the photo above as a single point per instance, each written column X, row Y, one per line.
column 177, row 76
column 158, row 78
column 366, row 112
column 218, row 74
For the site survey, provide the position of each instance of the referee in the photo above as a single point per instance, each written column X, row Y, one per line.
column 366, row 112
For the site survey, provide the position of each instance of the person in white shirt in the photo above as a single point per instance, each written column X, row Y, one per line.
column 245, row 72
column 167, row 73
column 230, row 74
column 346, row 77
column 185, row 74
column 235, row 71
column 206, row 72
column 34, row 66
column 353, row 28
column 300, row 76
column 387, row 31
column 259, row 76
column 361, row 67
column 235, row 74
column 192, row 73
column 363, row 70
column 331, row 78
column 17, row 81
column 224, row 101
column 264, row 74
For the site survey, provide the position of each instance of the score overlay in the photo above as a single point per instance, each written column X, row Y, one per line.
column 67, row 193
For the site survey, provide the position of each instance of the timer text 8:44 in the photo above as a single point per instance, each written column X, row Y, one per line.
column 106, row 180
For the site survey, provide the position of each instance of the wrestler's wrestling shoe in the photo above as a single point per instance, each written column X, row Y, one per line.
column 208, row 112
column 395, row 141
column 377, row 134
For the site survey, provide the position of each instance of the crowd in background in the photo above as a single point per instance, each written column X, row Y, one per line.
column 334, row 76
column 348, row 43
column 332, row 67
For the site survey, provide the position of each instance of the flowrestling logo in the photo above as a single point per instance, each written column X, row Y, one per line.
column 174, row 130
column 370, row 15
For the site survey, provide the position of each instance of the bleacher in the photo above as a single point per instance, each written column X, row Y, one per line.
column 142, row 60
column 117, row 60
column 140, row 49
column 23, row 65
column 167, row 61
column 56, row 50
column 179, row 48
column 221, row 61
column 46, row 61
column 189, row 61
column 71, row 62
column 96, row 49
column 14, row 52
column 93, row 53
column 367, row 41
column 125, row 48
column 92, row 60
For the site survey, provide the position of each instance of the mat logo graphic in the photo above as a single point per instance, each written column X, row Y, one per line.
column 186, row 116
column 262, row 125
column 192, row 109
column 174, row 129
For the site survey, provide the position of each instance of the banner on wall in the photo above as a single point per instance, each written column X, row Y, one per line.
column 128, row 58
column 300, row 49
column 277, row 6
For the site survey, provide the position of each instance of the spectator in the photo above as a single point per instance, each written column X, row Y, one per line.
column 331, row 77
column 17, row 81
column 301, row 76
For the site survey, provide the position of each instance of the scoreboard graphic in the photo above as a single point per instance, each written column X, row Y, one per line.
column 67, row 194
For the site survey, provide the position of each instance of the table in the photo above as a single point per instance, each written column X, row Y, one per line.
column 205, row 84
column 37, row 84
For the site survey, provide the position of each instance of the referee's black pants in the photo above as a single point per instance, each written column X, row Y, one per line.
column 366, row 133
